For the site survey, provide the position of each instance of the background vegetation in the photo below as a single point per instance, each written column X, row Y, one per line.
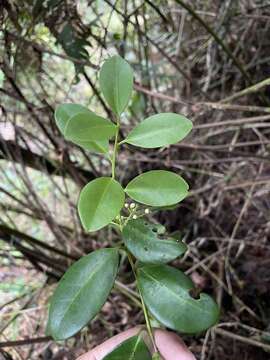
column 206, row 59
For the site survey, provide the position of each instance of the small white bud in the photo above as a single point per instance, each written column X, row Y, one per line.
column 147, row 211
column 126, row 205
column 134, row 217
column 132, row 205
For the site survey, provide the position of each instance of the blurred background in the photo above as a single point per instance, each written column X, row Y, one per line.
column 208, row 60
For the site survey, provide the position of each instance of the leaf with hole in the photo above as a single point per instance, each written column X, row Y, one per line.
column 87, row 126
column 158, row 188
column 143, row 241
column 159, row 130
column 100, row 202
column 81, row 292
column 64, row 112
column 116, row 82
column 133, row 348
column 166, row 292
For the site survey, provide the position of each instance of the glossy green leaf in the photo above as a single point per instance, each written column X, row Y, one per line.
column 81, row 292
column 166, row 292
column 101, row 146
column 158, row 188
column 88, row 127
column 100, row 202
column 143, row 241
column 133, row 348
column 159, row 130
column 116, row 82
column 64, row 112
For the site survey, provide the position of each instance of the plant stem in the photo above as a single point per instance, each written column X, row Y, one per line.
column 146, row 316
column 145, row 312
column 132, row 211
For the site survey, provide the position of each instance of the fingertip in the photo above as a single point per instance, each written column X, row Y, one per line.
column 171, row 347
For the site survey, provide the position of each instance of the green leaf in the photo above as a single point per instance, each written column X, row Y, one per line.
column 159, row 130
column 88, row 127
column 133, row 348
column 64, row 112
column 158, row 188
column 81, row 292
column 100, row 202
column 101, row 146
column 166, row 292
column 116, row 82
column 166, row 208
column 143, row 241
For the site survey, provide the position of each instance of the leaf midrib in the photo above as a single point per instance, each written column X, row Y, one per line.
column 135, row 348
column 80, row 290
column 93, row 128
column 150, row 134
column 193, row 304
column 145, row 186
column 101, row 198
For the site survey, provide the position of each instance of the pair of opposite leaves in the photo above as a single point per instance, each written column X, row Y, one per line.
column 156, row 188
column 165, row 290
column 92, row 132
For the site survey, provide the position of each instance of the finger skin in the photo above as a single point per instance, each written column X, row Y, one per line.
column 170, row 346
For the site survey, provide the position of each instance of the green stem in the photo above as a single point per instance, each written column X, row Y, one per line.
column 132, row 211
column 146, row 316
column 145, row 312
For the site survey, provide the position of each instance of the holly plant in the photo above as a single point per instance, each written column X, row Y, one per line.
column 164, row 292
